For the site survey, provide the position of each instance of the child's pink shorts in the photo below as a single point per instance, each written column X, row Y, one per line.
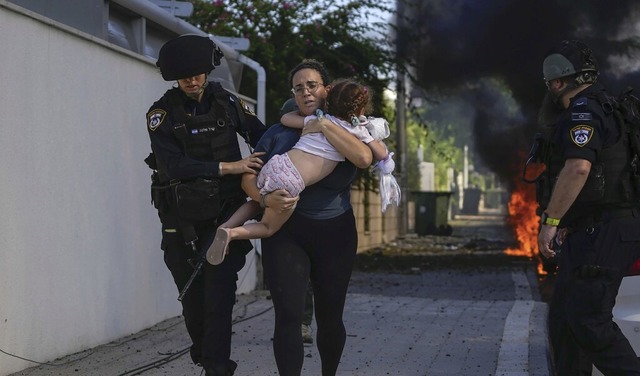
column 280, row 173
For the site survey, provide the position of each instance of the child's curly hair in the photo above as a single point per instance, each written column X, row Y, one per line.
column 347, row 99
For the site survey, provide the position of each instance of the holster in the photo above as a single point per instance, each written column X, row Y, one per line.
column 159, row 193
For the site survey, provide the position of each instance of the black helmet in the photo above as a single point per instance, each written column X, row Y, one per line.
column 571, row 58
column 187, row 56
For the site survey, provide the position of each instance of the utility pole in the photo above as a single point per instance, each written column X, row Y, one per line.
column 401, row 135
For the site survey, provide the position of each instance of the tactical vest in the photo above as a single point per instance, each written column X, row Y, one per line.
column 211, row 136
column 608, row 183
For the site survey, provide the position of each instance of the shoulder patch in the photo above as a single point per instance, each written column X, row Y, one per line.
column 155, row 118
column 581, row 134
column 580, row 116
column 580, row 102
column 247, row 109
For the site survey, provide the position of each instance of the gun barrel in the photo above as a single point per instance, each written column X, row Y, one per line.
column 196, row 270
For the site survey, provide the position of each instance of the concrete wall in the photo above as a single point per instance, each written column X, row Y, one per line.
column 382, row 227
column 80, row 258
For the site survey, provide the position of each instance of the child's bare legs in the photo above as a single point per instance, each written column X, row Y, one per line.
column 271, row 222
column 220, row 246
column 244, row 213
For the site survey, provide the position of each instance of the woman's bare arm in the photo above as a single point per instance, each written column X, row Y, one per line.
column 278, row 200
column 347, row 144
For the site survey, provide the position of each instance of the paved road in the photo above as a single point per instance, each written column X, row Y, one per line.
column 434, row 315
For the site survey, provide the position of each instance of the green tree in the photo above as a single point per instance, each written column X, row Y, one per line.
column 438, row 141
column 345, row 35
column 439, row 148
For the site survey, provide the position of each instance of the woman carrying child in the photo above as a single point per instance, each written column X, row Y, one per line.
column 310, row 160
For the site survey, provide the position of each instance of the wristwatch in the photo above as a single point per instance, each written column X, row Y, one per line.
column 546, row 220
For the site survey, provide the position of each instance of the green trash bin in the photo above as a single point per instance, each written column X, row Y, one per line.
column 432, row 213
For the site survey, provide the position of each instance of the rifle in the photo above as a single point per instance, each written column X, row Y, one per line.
column 197, row 262
column 197, row 266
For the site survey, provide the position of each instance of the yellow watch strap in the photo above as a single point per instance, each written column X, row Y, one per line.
column 550, row 221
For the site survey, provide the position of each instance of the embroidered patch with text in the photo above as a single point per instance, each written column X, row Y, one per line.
column 155, row 118
column 581, row 134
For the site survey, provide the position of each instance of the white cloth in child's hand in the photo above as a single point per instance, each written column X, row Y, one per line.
column 390, row 192
column 378, row 127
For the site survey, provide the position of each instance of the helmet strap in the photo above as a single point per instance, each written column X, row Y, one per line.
column 579, row 80
column 197, row 94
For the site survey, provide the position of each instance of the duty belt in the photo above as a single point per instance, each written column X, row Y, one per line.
column 597, row 218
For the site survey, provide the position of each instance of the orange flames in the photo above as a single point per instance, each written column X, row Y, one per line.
column 523, row 219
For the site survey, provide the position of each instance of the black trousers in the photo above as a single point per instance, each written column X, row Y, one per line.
column 592, row 263
column 307, row 316
column 208, row 304
column 322, row 251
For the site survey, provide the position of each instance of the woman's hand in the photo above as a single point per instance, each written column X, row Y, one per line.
column 280, row 201
column 316, row 126
column 251, row 164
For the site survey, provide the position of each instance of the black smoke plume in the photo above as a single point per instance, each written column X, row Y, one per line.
column 454, row 44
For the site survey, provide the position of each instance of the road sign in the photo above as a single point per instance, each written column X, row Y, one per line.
column 238, row 44
column 177, row 8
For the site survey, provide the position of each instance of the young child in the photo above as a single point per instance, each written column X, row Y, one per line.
column 311, row 159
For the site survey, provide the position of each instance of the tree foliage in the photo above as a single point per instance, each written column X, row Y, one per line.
column 438, row 144
column 345, row 35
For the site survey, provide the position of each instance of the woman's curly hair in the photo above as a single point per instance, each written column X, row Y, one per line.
column 348, row 99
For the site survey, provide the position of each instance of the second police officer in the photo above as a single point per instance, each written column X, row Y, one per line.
column 193, row 130
column 590, row 221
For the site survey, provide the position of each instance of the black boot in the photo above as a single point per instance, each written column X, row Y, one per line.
column 222, row 369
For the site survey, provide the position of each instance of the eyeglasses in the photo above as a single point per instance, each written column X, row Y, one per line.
column 312, row 86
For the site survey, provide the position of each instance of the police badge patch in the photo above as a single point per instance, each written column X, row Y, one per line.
column 247, row 109
column 581, row 134
column 155, row 118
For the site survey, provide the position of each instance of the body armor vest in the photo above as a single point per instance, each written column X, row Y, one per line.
column 208, row 137
column 608, row 183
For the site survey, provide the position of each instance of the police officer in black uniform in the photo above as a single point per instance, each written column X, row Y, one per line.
column 591, row 222
column 198, row 166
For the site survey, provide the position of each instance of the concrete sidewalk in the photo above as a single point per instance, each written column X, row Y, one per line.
column 436, row 323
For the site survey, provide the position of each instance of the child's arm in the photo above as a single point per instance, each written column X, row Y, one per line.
column 292, row 119
column 378, row 149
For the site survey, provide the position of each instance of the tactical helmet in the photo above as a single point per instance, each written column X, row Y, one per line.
column 187, row 56
column 570, row 58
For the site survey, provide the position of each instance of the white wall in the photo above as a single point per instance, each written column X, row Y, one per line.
column 427, row 176
column 80, row 258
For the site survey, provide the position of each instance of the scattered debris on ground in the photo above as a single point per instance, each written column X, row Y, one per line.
column 472, row 244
